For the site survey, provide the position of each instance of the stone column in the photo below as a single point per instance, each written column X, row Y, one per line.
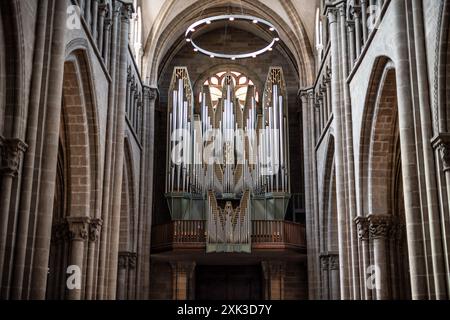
column 94, row 19
column 122, row 272
column 23, row 220
column 125, row 13
column 324, row 266
column 94, row 234
column 379, row 230
column 78, row 235
column 132, row 262
column 11, row 154
column 441, row 143
column 334, row 276
column 349, row 158
column 182, row 273
column 311, row 231
column 408, row 143
column 148, row 141
column 107, row 175
column 49, row 158
column 336, row 61
column 274, row 273
column 362, row 224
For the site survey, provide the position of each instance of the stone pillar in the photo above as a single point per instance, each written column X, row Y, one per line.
column 122, row 272
column 336, row 62
column 311, row 231
column 78, row 235
column 94, row 19
column 94, row 234
column 334, row 276
column 408, row 143
column 131, row 280
column 274, row 273
column 27, row 176
column 441, row 143
column 362, row 224
column 49, row 158
column 107, row 175
column 379, row 230
column 11, row 154
column 324, row 266
column 182, row 273
column 125, row 14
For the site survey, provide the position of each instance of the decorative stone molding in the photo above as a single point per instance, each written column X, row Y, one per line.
column 11, row 155
column 78, row 228
column 123, row 260
column 150, row 93
column 132, row 261
column 362, row 223
column 441, row 143
column 333, row 262
column 95, row 229
column 324, row 261
column 126, row 12
column 380, row 225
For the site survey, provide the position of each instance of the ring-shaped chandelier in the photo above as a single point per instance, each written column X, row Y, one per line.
column 255, row 20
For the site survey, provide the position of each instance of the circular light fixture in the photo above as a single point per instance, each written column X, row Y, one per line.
column 255, row 20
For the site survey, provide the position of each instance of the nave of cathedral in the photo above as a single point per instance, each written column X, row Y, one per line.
column 224, row 150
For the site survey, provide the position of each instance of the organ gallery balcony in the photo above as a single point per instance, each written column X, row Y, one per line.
column 191, row 235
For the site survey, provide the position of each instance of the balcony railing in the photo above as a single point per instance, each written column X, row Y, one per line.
column 192, row 234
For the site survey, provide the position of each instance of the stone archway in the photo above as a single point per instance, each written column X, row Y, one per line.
column 382, row 231
column 75, row 213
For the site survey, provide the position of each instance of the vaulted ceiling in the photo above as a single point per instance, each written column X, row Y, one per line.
column 165, row 21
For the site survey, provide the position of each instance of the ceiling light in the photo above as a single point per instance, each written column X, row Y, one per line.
column 191, row 30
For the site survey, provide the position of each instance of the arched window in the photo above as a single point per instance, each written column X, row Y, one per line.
column 241, row 83
column 136, row 34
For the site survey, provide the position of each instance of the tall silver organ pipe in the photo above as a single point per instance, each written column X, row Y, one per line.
column 235, row 149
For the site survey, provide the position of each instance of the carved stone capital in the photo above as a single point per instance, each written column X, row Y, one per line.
column 123, row 260
column 78, row 228
column 132, row 261
column 380, row 225
column 334, row 262
column 12, row 151
column 362, row 223
column 441, row 143
column 150, row 93
column 324, row 261
column 103, row 9
column 126, row 12
column 95, row 229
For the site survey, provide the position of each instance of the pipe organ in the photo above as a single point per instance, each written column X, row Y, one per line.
column 228, row 161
